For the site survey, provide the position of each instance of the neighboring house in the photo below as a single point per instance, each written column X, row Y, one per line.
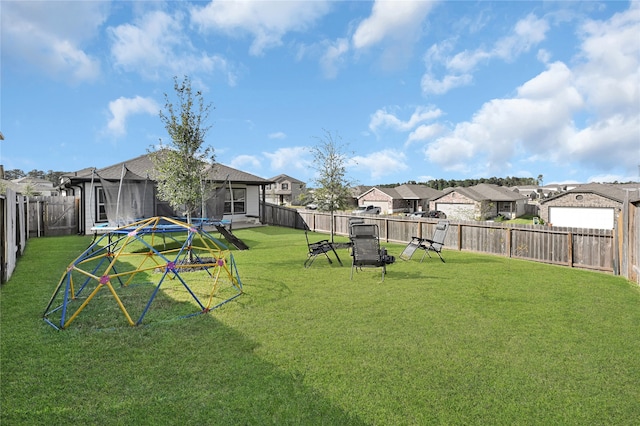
column 593, row 205
column 284, row 190
column 246, row 190
column 532, row 192
column 401, row 199
column 480, row 202
column 33, row 186
column 386, row 198
column 416, row 196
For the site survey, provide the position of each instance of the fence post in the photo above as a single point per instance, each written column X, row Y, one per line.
column 570, row 249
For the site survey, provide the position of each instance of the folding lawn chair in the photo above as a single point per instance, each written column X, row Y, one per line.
column 318, row 248
column 434, row 244
column 366, row 250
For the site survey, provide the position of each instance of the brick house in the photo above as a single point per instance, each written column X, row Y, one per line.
column 593, row 205
column 480, row 202
column 401, row 199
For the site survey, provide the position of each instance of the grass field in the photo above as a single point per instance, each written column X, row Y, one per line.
column 477, row 340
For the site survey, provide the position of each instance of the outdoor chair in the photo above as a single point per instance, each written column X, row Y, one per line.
column 434, row 244
column 366, row 250
column 319, row 248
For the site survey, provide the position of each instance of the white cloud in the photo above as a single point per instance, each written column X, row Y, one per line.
column 538, row 119
column 267, row 21
column 42, row 34
column 565, row 117
column 425, row 132
column 156, row 46
column 391, row 19
column 526, row 34
column 431, row 85
column 243, row 162
column 283, row 158
column 609, row 143
column 333, row 57
column 609, row 75
column 122, row 108
column 393, row 28
column 381, row 163
column 384, row 119
column 277, row 135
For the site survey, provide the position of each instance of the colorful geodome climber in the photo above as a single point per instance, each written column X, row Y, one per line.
column 152, row 270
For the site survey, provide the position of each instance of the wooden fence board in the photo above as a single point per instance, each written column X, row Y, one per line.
column 53, row 215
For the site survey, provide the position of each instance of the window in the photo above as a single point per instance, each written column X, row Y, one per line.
column 285, row 186
column 579, row 197
column 101, row 208
column 239, row 201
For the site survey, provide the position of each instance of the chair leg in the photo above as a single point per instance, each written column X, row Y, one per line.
column 309, row 261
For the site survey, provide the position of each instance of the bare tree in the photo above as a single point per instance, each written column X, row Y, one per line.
column 333, row 187
column 180, row 167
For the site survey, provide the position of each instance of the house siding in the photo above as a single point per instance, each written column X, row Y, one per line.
column 589, row 200
column 377, row 198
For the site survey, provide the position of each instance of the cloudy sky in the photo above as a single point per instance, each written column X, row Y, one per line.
column 412, row 90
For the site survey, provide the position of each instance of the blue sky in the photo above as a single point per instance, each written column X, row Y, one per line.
column 413, row 90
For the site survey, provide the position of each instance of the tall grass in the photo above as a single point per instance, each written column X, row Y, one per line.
column 476, row 340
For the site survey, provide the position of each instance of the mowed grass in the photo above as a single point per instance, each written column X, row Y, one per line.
column 477, row 340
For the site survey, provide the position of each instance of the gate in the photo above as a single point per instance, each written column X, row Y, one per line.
column 53, row 216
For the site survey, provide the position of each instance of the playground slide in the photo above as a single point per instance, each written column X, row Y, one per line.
column 232, row 239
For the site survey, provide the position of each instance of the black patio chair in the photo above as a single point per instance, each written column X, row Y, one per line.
column 319, row 248
column 366, row 250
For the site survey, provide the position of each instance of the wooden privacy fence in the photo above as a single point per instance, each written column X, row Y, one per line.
column 13, row 232
column 53, row 216
column 594, row 249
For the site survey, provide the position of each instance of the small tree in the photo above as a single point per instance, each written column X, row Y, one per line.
column 180, row 167
column 333, row 188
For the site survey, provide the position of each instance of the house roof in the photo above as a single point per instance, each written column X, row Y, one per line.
column 406, row 192
column 142, row 167
column 486, row 192
column 389, row 192
column 283, row 177
column 358, row 190
column 610, row 191
column 418, row 192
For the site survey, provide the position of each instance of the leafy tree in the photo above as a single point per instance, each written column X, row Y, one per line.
column 14, row 174
column 332, row 184
column 180, row 166
column 35, row 173
column 54, row 177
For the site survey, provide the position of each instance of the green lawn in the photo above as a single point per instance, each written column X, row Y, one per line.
column 477, row 340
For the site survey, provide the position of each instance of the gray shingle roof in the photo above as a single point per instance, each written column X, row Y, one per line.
column 142, row 168
column 611, row 191
column 487, row 192
column 418, row 192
